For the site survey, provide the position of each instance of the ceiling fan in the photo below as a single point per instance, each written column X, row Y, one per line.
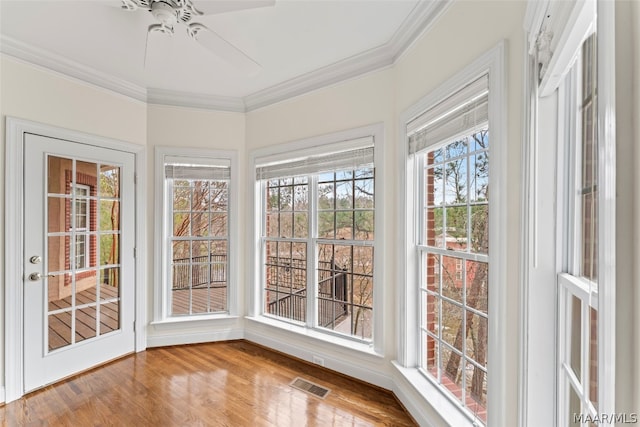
column 169, row 13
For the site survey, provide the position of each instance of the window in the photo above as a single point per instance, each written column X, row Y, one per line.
column 453, row 340
column 452, row 173
column 196, row 205
column 81, row 226
column 317, row 238
column 578, row 283
column 570, row 233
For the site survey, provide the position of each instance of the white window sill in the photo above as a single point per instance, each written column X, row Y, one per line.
column 192, row 321
column 301, row 330
column 437, row 398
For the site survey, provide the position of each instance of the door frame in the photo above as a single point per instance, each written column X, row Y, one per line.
column 14, row 231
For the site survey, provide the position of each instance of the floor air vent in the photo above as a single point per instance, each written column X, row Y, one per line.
column 310, row 388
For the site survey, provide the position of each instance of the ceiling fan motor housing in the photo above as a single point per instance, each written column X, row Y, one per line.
column 164, row 12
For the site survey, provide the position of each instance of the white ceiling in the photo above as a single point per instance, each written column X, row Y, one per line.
column 297, row 42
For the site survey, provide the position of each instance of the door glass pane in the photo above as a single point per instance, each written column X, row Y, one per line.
column 109, row 317
column 83, row 200
column 59, row 330
column 85, row 323
column 59, row 175
column 109, row 182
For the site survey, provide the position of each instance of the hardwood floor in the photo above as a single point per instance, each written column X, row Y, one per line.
column 233, row 383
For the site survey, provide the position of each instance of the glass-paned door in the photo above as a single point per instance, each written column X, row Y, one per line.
column 79, row 265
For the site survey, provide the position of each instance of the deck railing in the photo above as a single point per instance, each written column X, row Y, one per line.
column 287, row 281
column 200, row 271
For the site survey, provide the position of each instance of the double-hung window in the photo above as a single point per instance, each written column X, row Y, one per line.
column 449, row 146
column 195, row 250
column 316, row 238
column 578, row 283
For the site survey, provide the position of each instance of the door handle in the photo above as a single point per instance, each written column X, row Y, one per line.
column 34, row 277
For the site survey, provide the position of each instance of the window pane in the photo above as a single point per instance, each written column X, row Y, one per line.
column 435, row 182
column 286, row 198
column 285, row 293
column 286, row 224
column 326, row 196
column 301, row 225
column 456, row 231
column 273, row 225
column 219, row 224
column 575, row 351
column 345, row 289
column 326, row 225
column 364, row 222
column 452, row 325
column 477, row 285
column 364, row 193
column 219, row 196
column 301, row 198
column 574, row 408
column 479, row 172
column 479, row 229
column 452, row 285
column 344, row 225
column 456, row 181
column 344, row 195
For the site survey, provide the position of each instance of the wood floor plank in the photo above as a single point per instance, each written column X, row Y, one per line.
column 233, row 384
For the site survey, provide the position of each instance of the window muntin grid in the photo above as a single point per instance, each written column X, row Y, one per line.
column 342, row 238
column 345, row 251
column 198, row 253
column 453, row 251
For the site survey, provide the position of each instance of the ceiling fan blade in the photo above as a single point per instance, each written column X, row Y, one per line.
column 210, row 7
column 133, row 5
column 223, row 49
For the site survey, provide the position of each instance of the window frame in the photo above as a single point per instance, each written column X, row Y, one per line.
column 491, row 63
column 334, row 142
column 161, row 312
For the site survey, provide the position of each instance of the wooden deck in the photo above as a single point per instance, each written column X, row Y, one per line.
column 216, row 297
column 221, row 384
column 86, row 318
column 87, row 326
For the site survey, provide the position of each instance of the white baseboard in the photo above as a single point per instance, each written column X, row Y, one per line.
column 331, row 361
column 2, row 395
column 161, row 340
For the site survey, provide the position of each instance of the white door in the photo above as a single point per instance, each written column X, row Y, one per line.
column 78, row 258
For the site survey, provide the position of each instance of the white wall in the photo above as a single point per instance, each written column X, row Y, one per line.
column 627, row 206
column 31, row 93
column 192, row 128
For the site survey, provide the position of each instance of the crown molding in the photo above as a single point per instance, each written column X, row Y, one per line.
column 195, row 100
column 354, row 66
column 419, row 20
column 69, row 68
